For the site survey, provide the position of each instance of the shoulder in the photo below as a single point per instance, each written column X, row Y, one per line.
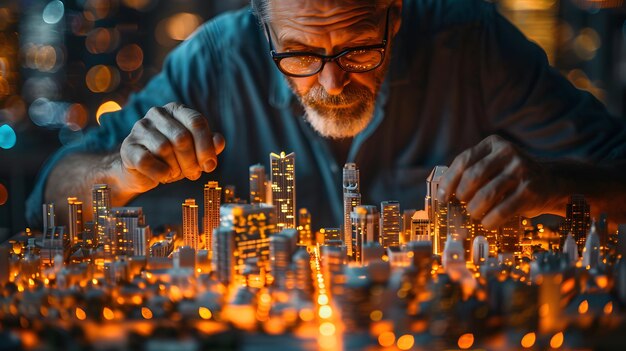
column 227, row 31
column 440, row 15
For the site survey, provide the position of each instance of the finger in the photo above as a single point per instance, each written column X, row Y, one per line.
column 159, row 146
column 138, row 157
column 490, row 195
column 452, row 177
column 201, row 134
column 218, row 143
column 506, row 209
column 480, row 173
column 181, row 139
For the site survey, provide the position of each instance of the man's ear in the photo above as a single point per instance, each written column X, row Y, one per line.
column 396, row 16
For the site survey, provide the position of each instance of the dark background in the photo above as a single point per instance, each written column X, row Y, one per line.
column 60, row 62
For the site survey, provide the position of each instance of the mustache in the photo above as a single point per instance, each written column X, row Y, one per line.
column 317, row 96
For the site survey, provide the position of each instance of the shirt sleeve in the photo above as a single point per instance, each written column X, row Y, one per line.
column 185, row 78
column 532, row 104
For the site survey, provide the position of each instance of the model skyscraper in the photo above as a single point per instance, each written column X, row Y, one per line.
column 436, row 214
column 258, row 183
column 211, row 220
column 75, row 219
column 351, row 199
column 577, row 219
column 284, row 188
column 390, row 223
column 190, row 223
column 101, row 204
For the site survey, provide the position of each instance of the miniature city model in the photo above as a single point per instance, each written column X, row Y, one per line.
column 255, row 275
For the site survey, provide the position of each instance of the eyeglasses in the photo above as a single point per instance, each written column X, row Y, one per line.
column 354, row 60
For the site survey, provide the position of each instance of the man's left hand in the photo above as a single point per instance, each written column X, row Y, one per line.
column 498, row 181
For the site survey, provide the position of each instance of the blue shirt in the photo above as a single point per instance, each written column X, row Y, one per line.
column 459, row 72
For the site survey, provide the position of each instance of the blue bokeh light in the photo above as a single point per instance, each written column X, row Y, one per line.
column 7, row 137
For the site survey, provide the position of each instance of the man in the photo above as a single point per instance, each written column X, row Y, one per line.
column 397, row 87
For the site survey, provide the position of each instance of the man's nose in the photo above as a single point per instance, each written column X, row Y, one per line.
column 333, row 78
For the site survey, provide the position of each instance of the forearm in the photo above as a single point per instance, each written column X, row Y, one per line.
column 75, row 176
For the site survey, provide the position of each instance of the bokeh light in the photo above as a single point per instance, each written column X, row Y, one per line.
column 76, row 117
column 98, row 9
column 556, row 341
column 528, row 340
column 406, row 342
column 14, row 109
column 177, row 28
column 102, row 79
column 466, row 341
column 4, row 194
column 109, row 106
column 129, row 58
column 53, row 12
column 386, row 339
column 102, row 40
column 7, row 137
column 140, row 5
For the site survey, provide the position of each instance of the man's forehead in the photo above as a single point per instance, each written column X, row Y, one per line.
column 319, row 9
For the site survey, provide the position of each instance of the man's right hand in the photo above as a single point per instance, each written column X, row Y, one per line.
column 170, row 143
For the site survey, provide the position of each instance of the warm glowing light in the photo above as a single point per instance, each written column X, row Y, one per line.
column 602, row 281
column 80, row 314
column 181, row 25
column 102, row 79
column 129, row 58
column 306, row 315
column 528, row 340
column 583, row 307
column 327, row 329
column 4, row 196
column 325, row 312
column 556, row 341
column 376, row 315
column 108, row 314
column 466, row 341
column 406, row 342
column 608, row 308
column 322, row 299
column 387, row 339
column 109, row 106
column 76, row 117
column 146, row 313
column 205, row 313
column 94, row 281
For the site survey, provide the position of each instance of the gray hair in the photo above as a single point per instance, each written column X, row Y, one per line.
column 261, row 8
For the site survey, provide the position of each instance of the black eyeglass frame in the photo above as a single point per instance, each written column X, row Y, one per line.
column 279, row 56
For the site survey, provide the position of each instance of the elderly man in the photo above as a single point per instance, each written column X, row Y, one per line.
column 395, row 86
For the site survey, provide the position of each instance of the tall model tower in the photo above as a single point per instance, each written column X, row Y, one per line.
column 257, row 184
column 190, row 223
column 284, row 189
column 101, row 201
column 390, row 223
column 436, row 214
column 75, row 219
column 48, row 216
column 211, row 220
column 351, row 199
column 577, row 219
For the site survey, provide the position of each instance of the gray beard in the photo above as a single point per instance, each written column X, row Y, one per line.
column 339, row 116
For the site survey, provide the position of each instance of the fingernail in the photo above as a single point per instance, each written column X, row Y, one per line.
column 209, row 165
